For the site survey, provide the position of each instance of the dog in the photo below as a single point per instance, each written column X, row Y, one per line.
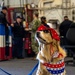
column 51, row 55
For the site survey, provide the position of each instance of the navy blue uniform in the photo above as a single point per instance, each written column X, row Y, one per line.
column 18, row 34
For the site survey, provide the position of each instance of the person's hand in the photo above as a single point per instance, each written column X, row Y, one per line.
column 7, row 25
column 12, row 25
column 23, row 39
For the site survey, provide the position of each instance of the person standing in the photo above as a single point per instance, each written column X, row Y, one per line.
column 3, row 19
column 63, row 28
column 43, row 21
column 35, row 24
column 4, row 22
column 18, row 37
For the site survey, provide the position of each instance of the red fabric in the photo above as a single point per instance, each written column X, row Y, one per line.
column 54, row 65
column 42, row 27
column 53, row 32
column 60, row 55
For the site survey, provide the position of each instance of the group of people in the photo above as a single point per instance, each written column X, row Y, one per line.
column 19, row 32
column 63, row 28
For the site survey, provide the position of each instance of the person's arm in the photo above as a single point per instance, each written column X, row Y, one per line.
column 23, row 32
column 13, row 27
column 1, row 18
column 61, row 29
column 36, row 24
column 6, row 22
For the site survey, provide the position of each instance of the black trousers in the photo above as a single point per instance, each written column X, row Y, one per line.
column 17, row 47
column 7, row 41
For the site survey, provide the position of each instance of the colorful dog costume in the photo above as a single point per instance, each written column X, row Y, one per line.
column 50, row 63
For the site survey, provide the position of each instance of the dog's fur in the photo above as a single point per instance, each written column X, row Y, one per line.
column 44, row 55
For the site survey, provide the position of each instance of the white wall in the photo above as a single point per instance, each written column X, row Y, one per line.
column 73, row 2
column 57, row 13
column 16, row 3
column 50, row 13
column 53, row 14
column 57, row 2
column 13, row 3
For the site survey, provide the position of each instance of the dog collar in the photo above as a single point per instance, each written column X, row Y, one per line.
column 57, row 68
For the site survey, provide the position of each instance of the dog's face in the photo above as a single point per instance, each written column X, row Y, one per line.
column 44, row 36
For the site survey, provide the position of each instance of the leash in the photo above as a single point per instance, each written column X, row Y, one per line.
column 34, row 68
column 5, row 71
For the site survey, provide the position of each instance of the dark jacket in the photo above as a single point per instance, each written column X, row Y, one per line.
column 3, row 18
column 18, row 30
column 64, row 26
column 45, row 24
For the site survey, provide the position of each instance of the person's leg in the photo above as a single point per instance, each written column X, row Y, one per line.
column 73, row 56
column 7, row 35
column 34, row 47
column 34, row 44
column 14, row 49
column 20, row 48
column 7, row 41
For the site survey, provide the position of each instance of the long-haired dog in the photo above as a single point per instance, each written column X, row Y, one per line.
column 51, row 55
